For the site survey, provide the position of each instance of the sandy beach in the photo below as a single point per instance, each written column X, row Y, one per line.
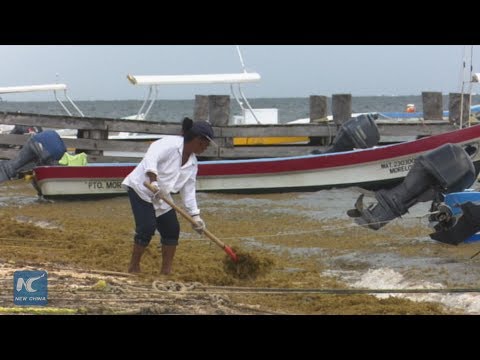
column 85, row 246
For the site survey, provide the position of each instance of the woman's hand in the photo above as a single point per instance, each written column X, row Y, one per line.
column 200, row 226
column 159, row 194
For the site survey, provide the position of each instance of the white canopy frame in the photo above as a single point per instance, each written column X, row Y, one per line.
column 44, row 88
column 153, row 81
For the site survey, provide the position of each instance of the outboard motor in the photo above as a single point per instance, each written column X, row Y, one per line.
column 457, row 218
column 41, row 149
column 444, row 170
column 359, row 132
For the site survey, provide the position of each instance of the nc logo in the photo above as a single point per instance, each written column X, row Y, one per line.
column 28, row 284
column 30, row 288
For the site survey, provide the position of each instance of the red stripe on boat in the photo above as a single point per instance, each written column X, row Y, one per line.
column 268, row 166
column 340, row 159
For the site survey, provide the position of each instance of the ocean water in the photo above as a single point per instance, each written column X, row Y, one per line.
column 175, row 110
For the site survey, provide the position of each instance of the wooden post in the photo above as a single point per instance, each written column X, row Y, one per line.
column 200, row 111
column 341, row 108
column 219, row 115
column 318, row 114
column 91, row 134
column 432, row 105
column 96, row 135
column 81, row 134
column 454, row 100
column 219, row 109
column 318, row 108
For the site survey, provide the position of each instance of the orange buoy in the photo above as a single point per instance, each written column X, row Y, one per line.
column 410, row 108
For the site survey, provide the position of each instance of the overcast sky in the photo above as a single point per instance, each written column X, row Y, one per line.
column 99, row 72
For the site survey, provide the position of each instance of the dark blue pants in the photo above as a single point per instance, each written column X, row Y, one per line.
column 146, row 223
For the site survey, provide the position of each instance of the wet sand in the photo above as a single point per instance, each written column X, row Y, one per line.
column 308, row 237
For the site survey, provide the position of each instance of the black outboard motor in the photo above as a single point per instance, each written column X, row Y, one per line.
column 446, row 169
column 451, row 230
column 41, row 149
column 359, row 132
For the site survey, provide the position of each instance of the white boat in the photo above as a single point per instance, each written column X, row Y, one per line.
column 368, row 168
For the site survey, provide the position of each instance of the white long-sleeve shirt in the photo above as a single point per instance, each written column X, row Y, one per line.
column 164, row 159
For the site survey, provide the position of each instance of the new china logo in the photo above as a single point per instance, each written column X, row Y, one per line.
column 30, row 288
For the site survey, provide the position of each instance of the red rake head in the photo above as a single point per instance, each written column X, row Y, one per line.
column 230, row 253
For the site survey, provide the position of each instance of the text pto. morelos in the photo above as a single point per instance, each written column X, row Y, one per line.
column 104, row 184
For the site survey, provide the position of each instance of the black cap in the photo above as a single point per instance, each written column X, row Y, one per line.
column 203, row 128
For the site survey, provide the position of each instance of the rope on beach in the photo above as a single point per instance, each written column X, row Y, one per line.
column 264, row 290
column 172, row 286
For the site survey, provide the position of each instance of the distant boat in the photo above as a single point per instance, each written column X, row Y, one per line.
column 249, row 116
column 368, row 168
column 416, row 114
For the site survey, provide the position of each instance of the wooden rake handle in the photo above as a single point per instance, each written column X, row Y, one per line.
column 187, row 216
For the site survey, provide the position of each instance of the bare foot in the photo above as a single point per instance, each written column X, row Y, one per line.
column 134, row 269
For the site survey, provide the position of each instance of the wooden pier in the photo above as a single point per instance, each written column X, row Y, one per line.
column 93, row 132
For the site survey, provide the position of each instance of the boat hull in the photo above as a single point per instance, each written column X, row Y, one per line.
column 369, row 168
